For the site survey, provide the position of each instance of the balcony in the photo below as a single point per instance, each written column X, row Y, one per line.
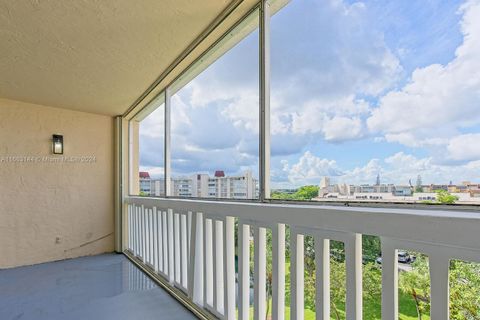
column 232, row 159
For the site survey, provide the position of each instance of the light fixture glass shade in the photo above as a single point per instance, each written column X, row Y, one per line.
column 57, row 144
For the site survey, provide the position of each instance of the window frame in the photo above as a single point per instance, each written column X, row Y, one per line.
column 189, row 73
column 265, row 8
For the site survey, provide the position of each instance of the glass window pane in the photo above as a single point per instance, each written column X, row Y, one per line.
column 375, row 101
column 147, row 132
column 215, row 120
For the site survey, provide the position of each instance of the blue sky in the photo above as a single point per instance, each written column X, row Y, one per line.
column 359, row 88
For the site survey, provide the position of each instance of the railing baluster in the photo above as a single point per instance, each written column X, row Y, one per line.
column 165, row 243
column 190, row 216
column 296, row 275
column 134, row 230
column 137, row 232
column 439, row 286
column 218, row 267
column 322, row 278
column 184, row 253
column 243, row 270
column 260, row 265
column 229, row 267
column 353, row 260
column 131, row 228
column 155, row 239
column 159, row 241
column 278, row 271
column 142, row 215
column 147, row 236
column 177, row 247
column 171, row 262
column 150, row 238
column 128, row 228
column 389, row 280
column 208, row 262
column 140, row 233
column 193, row 255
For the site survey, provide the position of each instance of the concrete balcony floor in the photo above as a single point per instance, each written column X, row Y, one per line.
column 99, row 287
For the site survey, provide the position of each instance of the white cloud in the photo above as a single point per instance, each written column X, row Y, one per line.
column 362, row 175
column 437, row 97
column 310, row 169
column 333, row 120
column 342, row 128
column 155, row 172
column 333, row 57
column 152, row 125
column 398, row 168
column 464, row 147
column 411, row 140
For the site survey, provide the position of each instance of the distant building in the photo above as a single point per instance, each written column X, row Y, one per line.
column 151, row 187
column 402, row 191
column 203, row 186
column 467, row 192
column 145, row 184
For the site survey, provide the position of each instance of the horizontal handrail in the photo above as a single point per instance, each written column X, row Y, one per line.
column 439, row 227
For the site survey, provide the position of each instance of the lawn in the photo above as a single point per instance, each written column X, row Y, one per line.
column 371, row 310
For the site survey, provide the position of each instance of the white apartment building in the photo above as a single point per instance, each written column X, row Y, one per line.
column 203, row 186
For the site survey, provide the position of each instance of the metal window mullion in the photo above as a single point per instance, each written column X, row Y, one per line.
column 129, row 158
column 264, row 56
column 167, row 142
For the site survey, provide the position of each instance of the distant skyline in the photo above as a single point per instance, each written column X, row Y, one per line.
column 359, row 89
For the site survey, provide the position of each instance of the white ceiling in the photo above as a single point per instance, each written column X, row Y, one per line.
column 94, row 55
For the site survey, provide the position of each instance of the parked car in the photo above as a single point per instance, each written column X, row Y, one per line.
column 403, row 257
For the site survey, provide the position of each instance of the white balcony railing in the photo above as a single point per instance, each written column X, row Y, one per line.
column 191, row 244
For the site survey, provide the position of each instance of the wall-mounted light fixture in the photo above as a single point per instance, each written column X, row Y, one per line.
column 57, row 144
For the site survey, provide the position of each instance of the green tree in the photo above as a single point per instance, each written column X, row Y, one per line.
column 418, row 184
column 371, row 247
column 303, row 193
column 464, row 290
column 338, row 289
column 372, row 282
column 416, row 283
column 445, row 197
column 281, row 195
column 306, row 193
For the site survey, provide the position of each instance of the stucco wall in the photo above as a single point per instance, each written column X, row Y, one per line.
column 54, row 210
